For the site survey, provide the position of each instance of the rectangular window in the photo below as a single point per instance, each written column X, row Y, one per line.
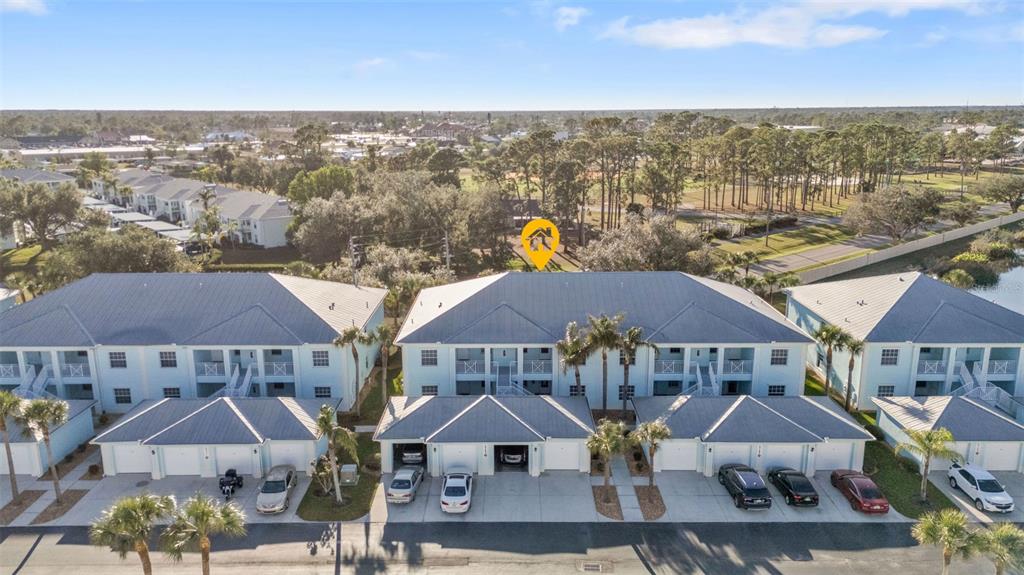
column 429, row 390
column 577, row 390
column 677, row 350
column 630, row 390
column 321, row 358
column 632, row 360
column 321, row 392
column 890, row 356
column 780, row 356
column 886, row 390
column 122, row 395
column 275, row 352
column 428, row 357
column 776, row 390
column 118, row 359
column 172, row 392
column 545, row 350
column 168, row 359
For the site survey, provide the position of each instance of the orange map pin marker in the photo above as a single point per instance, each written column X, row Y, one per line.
column 540, row 239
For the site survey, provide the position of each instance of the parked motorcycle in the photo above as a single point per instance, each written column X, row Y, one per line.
column 231, row 481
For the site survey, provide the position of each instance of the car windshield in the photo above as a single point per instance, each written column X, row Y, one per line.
column 273, row 487
column 799, row 483
column 990, row 486
column 401, row 484
column 455, row 491
column 870, row 492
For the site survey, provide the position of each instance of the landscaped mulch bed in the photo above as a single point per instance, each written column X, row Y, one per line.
column 90, row 476
column 55, row 510
column 596, row 468
column 614, row 415
column 65, row 467
column 12, row 510
column 611, row 508
column 651, row 503
column 637, row 468
column 357, row 499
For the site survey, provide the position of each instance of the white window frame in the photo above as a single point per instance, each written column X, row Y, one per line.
column 122, row 357
column 578, row 390
column 122, row 395
column 779, row 357
column 776, row 390
column 886, row 391
column 172, row 392
column 321, row 358
column 428, row 357
column 170, row 357
column 631, row 390
column 428, row 390
column 319, row 392
column 892, row 357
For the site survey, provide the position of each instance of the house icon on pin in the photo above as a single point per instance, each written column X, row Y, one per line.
column 540, row 239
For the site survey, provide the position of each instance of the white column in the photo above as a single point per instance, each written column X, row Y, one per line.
column 58, row 377
column 94, row 375
column 144, row 371
column 297, row 371
column 520, row 356
column 950, row 367
column 190, row 364
column 915, row 357
column 22, row 365
column 1020, row 372
column 227, row 364
column 487, row 372
column 984, row 362
column 687, row 358
column 263, row 371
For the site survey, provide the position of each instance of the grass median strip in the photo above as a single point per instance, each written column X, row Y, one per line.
column 356, row 499
column 900, row 483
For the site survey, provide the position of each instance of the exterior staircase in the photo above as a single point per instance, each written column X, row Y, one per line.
column 239, row 385
column 975, row 386
column 33, row 385
column 507, row 382
column 707, row 382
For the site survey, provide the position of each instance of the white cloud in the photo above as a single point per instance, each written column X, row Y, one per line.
column 569, row 16
column 370, row 63
column 801, row 24
column 37, row 7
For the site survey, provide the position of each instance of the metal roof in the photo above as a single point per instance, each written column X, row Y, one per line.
column 484, row 418
column 910, row 307
column 75, row 407
column 186, row 308
column 220, row 421
column 671, row 307
column 967, row 419
column 747, row 419
column 31, row 175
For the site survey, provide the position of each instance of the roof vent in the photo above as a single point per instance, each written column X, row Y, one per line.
column 331, row 307
column 900, row 278
column 439, row 304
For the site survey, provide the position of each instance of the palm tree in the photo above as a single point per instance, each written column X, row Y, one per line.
column 854, row 347
column 195, row 521
column 773, row 281
column 41, row 416
column 947, row 529
column 832, row 339
column 354, row 337
column 337, row 437
column 126, row 525
column 607, row 440
column 572, row 350
column 603, row 334
column 652, row 433
column 384, row 335
column 743, row 260
column 928, row 444
column 10, row 407
column 1004, row 546
column 630, row 341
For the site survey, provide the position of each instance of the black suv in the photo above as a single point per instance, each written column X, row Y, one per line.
column 795, row 487
column 746, row 487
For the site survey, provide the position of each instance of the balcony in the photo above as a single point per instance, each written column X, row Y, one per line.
column 738, row 367
column 537, row 367
column 1002, row 369
column 277, row 369
column 471, row 367
column 210, row 369
column 931, row 367
column 9, row 371
column 72, row 370
column 669, row 366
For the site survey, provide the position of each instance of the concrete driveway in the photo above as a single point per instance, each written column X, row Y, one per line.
column 1014, row 483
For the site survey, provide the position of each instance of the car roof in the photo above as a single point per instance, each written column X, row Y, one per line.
column 977, row 472
column 456, row 478
column 405, row 471
column 279, row 472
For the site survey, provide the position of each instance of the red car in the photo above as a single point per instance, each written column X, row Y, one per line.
column 860, row 491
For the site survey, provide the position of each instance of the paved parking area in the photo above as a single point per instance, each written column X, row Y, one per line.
column 1013, row 481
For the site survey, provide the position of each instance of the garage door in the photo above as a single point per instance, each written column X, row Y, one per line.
column 25, row 459
column 562, row 455
column 1001, row 455
column 237, row 457
column 677, row 456
column 289, row 454
column 181, row 460
column 772, row 456
column 459, row 455
column 834, row 455
column 730, row 453
column 132, row 458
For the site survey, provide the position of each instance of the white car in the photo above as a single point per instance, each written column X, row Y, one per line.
column 457, row 491
column 984, row 490
column 404, row 484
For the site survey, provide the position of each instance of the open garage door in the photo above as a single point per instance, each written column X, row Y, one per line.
column 834, row 455
column 237, row 457
column 462, row 455
column 779, row 455
column 132, row 458
column 409, row 454
column 677, row 456
column 181, row 460
column 561, row 455
column 730, row 453
column 1001, row 455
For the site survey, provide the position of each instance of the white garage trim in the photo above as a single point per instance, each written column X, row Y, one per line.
column 562, row 455
column 129, row 458
column 297, row 453
column 181, row 460
column 237, row 457
column 722, row 453
column 769, row 456
column 1001, row 455
column 464, row 455
column 677, row 455
column 836, row 455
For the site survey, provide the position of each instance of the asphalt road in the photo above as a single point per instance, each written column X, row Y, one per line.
column 547, row 548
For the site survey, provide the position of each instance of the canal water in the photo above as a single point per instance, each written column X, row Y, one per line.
column 1008, row 291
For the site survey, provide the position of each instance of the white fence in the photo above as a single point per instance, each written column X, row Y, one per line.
column 827, row 271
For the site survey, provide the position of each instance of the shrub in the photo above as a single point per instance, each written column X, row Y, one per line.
column 1000, row 251
column 640, row 465
column 876, row 431
column 637, row 456
column 95, row 469
column 104, row 419
column 1018, row 238
column 982, row 272
column 971, row 257
column 958, row 278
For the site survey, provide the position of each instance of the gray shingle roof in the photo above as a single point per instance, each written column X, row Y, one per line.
column 671, row 307
column 486, row 418
column 157, row 309
column 31, row 175
column 220, row 421
column 910, row 307
column 746, row 419
column 16, row 430
column 967, row 419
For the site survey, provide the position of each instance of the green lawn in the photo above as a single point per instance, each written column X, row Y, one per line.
column 357, row 499
column 373, row 404
column 812, row 384
column 25, row 259
column 791, row 241
column 900, row 485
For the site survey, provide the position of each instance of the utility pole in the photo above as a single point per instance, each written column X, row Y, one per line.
column 447, row 252
column 354, row 256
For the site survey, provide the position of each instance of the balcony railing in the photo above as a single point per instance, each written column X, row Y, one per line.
column 537, row 366
column 669, row 366
column 1002, row 367
column 74, row 370
column 931, row 366
column 470, row 366
column 737, row 366
column 210, row 368
column 279, row 368
column 10, row 370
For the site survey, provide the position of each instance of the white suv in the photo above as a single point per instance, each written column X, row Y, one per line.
column 983, row 489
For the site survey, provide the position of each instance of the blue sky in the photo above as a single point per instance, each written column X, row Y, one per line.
column 508, row 55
